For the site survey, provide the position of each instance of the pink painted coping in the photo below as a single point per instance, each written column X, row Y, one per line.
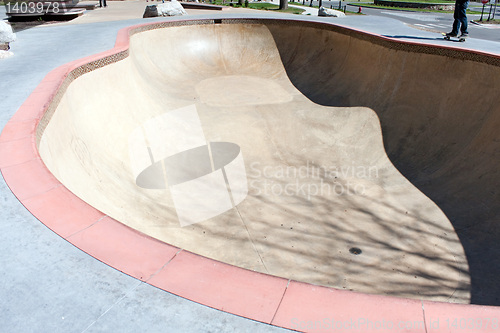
column 265, row 298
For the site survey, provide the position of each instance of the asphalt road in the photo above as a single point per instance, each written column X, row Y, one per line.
column 438, row 22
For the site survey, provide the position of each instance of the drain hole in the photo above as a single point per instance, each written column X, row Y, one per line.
column 355, row 250
column 217, row 21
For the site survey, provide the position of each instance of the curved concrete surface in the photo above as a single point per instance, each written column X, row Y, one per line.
column 316, row 180
column 409, row 247
column 440, row 117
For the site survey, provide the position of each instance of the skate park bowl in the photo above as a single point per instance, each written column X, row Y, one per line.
column 286, row 171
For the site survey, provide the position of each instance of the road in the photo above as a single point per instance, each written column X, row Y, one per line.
column 436, row 22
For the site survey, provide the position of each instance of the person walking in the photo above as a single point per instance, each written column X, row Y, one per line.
column 460, row 16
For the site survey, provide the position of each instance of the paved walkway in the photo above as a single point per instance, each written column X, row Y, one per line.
column 48, row 285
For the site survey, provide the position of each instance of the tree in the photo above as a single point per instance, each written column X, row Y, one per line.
column 283, row 4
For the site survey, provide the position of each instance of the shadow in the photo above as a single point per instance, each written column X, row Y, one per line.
column 413, row 37
column 316, row 233
column 18, row 26
column 442, row 140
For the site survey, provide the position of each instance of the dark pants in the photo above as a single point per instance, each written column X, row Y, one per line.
column 460, row 17
column 102, row 3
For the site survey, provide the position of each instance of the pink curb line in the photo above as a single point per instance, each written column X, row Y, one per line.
column 265, row 298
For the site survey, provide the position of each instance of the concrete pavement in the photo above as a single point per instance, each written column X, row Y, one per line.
column 48, row 273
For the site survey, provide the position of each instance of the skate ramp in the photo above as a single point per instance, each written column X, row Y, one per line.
column 292, row 150
column 439, row 116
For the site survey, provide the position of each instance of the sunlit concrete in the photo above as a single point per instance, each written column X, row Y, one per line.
column 294, row 99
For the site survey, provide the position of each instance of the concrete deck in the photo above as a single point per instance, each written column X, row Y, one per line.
column 88, row 47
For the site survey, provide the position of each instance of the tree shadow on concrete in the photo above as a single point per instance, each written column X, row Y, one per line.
column 438, row 131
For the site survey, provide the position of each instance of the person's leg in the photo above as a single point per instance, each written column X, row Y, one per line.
column 463, row 18
column 456, row 22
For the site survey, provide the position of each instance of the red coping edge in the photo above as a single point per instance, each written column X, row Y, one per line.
column 265, row 298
